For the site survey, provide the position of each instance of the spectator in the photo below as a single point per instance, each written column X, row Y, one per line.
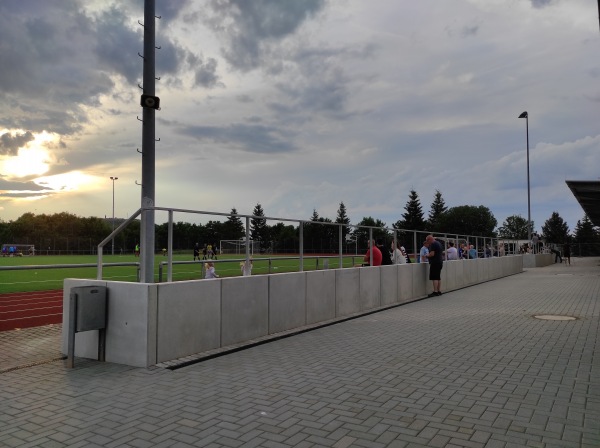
column 398, row 255
column 436, row 263
column 557, row 257
column 567, row 253
column 376, row 255
column 386, row 258
column 210, row 270
column 423, row 253
column 451, row 252
column 472, row 252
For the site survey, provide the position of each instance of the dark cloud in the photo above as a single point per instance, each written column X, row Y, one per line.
column 62, row 59
column 252, row 27
column 540, row 3
column 250, row 138
column 10, row 144
column 206, row 74
column 469, row 31
column 15, row 189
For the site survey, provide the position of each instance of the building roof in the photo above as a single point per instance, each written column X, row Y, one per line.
column 587, row 193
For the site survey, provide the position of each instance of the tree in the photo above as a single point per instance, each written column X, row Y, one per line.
column 318, row 237
column 233, row 228
column 469, row 220
column 342, row 218
column 514, row 227
column 555, row 229
column 259, row 230
column 362, row 234
column 285, row 237
column 587, row 238
column 438, row 208
column 412, row 219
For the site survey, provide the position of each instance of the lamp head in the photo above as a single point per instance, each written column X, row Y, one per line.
column 523, row 115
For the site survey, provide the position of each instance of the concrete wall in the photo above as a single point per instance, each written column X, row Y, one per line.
column 537, row 260
column 153, row 323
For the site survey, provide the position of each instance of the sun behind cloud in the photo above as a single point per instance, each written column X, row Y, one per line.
column 33, row 158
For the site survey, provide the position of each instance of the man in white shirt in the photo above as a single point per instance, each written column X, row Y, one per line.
column 451, row 252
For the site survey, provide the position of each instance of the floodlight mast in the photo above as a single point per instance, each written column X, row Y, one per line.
column 148, row 149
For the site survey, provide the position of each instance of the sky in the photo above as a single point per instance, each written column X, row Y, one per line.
column 300, row 105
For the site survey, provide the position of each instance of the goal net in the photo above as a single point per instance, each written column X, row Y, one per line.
column 238, row 247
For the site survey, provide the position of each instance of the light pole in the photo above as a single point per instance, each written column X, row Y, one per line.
column 113, row 218
column 526, row 116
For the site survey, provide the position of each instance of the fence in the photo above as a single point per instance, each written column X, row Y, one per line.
column 411, row 239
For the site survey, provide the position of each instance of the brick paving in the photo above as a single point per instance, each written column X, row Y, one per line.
column 472, row 368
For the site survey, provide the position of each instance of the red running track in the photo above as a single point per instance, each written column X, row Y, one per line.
column 30, row 309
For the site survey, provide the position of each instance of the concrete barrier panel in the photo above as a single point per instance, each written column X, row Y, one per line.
column 244, row 308
column 460, row 274
column 421, row 283
column 470, row 267
column 287, row 301
column 370, row 288
column 320, row 296
column 347, row 291
column 449, row 277
column 389, row 284
column 189, row 318
column 405, row 282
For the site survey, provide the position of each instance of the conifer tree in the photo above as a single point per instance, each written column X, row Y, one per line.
column 438, row 208
column 258, row 227
column 555, row 229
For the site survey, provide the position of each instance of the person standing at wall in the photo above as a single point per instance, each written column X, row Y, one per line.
column 398, row 257
column 567, row 253
column 386, row 258
column 451, row 252
column 376, row 255
column 436, row 262
column 423, row 252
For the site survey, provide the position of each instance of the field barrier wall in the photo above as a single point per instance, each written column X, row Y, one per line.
column 149, row 324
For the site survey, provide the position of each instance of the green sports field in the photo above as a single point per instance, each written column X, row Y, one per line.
column 40, row 279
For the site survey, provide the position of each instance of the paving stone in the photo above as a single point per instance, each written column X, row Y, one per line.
column 474, row 369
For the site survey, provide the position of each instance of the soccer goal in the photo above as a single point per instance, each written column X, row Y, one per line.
column 238, row 247
column 17, row 250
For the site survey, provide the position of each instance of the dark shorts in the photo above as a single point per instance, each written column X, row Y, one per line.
column 435, row 271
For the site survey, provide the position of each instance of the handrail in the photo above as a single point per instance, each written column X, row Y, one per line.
column 301, row 222
column 110, row 237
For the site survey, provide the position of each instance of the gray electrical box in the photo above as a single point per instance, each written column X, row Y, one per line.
column 91, row 307
column 87, row 311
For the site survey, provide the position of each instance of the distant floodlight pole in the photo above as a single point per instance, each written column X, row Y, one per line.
column 526, row 116
column 113, row 218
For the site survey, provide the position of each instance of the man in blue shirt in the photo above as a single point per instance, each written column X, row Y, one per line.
column 436, row 262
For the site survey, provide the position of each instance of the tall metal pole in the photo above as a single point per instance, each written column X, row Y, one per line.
column 113, row 210
column 148, row 149
column 526, row 116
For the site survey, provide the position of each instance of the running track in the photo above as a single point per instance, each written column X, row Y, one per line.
column 30, row 309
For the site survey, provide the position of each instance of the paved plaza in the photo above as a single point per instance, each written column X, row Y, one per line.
column 472, row 368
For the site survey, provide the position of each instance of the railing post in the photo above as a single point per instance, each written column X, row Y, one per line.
column 370, row 246
column 170, row 248
column 301, row 230
column 341, row 246
column 99, row 269
column 416, row 250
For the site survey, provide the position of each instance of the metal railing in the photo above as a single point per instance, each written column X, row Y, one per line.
column 480, row 242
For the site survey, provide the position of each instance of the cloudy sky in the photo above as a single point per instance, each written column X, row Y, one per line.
column 300, row 105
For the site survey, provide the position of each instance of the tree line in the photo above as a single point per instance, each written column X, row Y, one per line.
column 67, row 233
